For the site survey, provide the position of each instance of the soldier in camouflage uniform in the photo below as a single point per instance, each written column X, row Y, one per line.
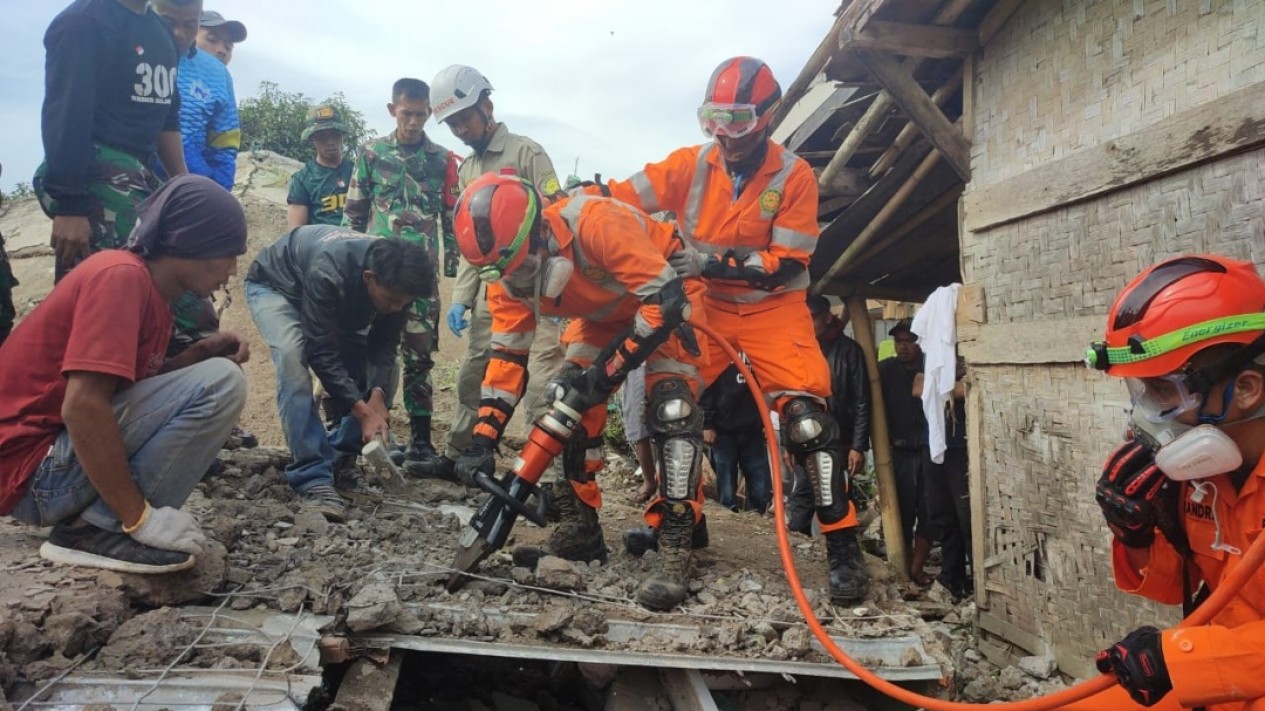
column 7, row 282
column 405, row 186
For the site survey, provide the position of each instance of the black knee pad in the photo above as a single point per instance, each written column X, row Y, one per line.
column 812, row 438
column 675, row 422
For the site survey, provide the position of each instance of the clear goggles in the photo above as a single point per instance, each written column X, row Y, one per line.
column 731, row 120
column 1162, row 398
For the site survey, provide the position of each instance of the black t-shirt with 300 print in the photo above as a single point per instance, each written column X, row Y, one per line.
column 109, row 78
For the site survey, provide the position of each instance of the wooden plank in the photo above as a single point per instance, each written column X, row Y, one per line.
column 975, row 487
column 942, row 134
column 837, row 100
column 686, row 690
column 971, row 305
column 910, row 40
column 367, row 686
column 825, row 207
column 1229, row 125
column 1029, row 342
column 884, row 475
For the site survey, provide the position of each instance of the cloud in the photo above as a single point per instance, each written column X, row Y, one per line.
column 614, row 82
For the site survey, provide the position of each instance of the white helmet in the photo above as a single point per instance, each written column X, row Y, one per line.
column 456, row 87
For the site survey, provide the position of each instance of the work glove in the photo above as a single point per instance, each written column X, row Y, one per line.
column 170, row 529
column 457, row 321
column 688, row 262
column 1138, row 663
column 1128, row 491
column 477, row 458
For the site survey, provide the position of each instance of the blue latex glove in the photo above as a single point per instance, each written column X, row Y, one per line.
column 457, row 319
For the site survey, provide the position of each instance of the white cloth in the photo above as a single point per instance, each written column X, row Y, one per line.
column 936, row 328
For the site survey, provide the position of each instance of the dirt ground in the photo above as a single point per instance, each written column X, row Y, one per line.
column 383, row 570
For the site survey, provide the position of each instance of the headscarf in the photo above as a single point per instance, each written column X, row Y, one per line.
column 189, row 217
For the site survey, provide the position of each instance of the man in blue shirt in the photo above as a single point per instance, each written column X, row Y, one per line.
column 208, row 112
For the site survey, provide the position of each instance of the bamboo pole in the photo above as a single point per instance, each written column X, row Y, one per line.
column 885, row 476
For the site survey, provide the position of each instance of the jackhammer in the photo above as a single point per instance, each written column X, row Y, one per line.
column 507, row 498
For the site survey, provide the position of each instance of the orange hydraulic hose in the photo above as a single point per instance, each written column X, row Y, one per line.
column 1229, row 587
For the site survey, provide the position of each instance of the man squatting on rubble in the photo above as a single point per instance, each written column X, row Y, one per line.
column 101, row 437
column 747, row 211
column 603, row 264
column 404, row 186
column 1183, row 496
column 462, row 100
column 313, row 293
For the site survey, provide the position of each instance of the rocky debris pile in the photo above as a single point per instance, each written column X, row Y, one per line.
column 977, row 680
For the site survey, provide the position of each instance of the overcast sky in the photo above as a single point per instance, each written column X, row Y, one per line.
column 612, row 82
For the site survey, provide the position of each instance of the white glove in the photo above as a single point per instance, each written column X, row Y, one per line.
column 688, row 262
column 170, row 529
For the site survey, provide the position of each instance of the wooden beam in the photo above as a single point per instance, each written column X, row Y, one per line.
column 910, row 131
column 910, row 40
column 975, row 488
column 1218, row 128
column 996, row 18
column 847, row 289
column 883, row 101
column 916, row 220
column 858, row 14
column 879, row 221
column 1029, row 342
column 942, row 134
column 884, row 474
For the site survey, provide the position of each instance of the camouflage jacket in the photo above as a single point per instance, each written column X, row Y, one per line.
column 398, row 193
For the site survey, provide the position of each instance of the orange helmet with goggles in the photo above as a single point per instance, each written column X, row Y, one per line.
column 739, row 98
column 1176, row 309
column 495, row 220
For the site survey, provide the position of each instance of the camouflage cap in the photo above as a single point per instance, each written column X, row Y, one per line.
column 325, row 116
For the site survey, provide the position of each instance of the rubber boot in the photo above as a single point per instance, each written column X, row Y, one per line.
column 578, row 535
column 420, row 459
column 644, row 538
column 668, row 586
column 849, row 578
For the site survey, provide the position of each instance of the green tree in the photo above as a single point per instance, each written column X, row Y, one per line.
column 275, row 120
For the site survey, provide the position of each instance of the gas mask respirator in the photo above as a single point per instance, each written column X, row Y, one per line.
column 1184, row 452
column 537, row 277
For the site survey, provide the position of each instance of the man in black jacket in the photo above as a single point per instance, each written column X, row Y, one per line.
column 849, row 403
column 311, row 294
column 732, row 429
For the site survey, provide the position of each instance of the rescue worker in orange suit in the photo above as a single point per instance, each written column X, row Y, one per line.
column 605, row 265
column 1185, row 497
column 747, row 211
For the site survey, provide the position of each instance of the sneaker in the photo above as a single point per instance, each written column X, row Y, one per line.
column 94, row 547
column 325, row 500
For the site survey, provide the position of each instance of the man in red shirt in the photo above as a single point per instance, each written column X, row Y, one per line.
column 101, row 437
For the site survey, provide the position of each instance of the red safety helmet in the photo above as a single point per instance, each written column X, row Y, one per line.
column 1177, row 308
column 494, row 221
column 739, row 97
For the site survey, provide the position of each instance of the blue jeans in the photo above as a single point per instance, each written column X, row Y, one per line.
column 172, row 426
column 748, row 451
column 312, row 448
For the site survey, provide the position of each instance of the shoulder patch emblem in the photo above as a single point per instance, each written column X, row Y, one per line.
column 550, row 186
column 770, row 201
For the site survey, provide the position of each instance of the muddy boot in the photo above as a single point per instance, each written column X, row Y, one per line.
column 849, row 579
column 668, row 586
column 644, row 538
column 578, row 535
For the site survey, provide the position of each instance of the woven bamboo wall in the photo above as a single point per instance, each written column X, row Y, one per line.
column 1066, row 74
column 1061, row 76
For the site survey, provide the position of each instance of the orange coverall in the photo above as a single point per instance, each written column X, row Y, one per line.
column 769, row 221
column 1220, row 665
column 620, row 258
